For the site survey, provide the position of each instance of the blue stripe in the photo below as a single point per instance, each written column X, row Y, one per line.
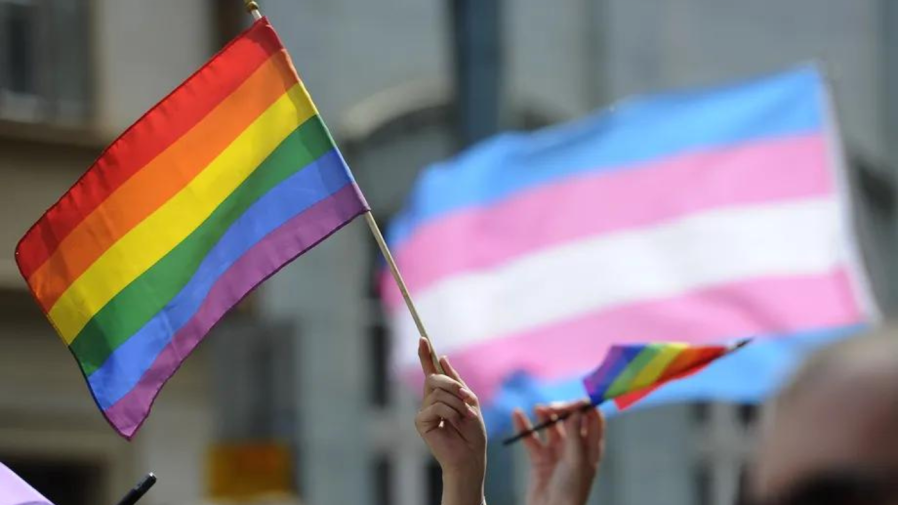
column 127, row 364
column 749, row 376
column 633, row 132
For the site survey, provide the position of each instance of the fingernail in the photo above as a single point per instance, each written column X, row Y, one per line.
column 471, row 413
column 464, row 392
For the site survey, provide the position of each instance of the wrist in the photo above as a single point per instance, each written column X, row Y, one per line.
column 464, row 486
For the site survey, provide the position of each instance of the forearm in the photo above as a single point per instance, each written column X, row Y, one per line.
column 463, row 488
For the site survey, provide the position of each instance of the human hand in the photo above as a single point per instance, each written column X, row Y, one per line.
column 452, row 426
column 564, row 465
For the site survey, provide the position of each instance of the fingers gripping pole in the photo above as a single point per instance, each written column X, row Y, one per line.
column 394, row 270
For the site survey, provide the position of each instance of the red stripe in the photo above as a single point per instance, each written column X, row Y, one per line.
column 161, row 126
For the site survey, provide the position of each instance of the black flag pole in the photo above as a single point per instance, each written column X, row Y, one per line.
column 541, row 426
column 137, row 492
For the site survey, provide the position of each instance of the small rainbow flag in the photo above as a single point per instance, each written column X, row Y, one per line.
column 214, row 189
column 630, row 372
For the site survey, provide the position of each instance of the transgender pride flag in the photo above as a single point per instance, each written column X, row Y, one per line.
column 696, row 217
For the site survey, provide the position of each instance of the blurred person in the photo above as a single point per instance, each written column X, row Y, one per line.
column 832, row 434
column 563, row 466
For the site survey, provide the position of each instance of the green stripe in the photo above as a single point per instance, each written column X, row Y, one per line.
column 133, row 306
column 622, row 383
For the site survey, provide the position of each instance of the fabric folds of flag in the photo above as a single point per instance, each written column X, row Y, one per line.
column 15, row 491
column 214, row 189
column 631, row 372
column 699, row 216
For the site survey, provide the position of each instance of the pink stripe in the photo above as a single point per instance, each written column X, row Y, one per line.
column 264, row 259
column 773, row 306
column 603, row 202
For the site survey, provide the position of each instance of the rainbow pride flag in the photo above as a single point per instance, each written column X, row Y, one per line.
column 630, row 372
column 700, row 216
column 214, row 189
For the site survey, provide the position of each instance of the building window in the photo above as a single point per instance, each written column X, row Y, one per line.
column 380, row 375
column 378, row 334
column 725, row 436
column 45, row 61
column 701, row 412
column 748, row 415
column 383, row 481
column 704, row 493
column 20, row 45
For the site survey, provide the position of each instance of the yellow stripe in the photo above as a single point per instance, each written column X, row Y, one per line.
column 650, row 373
column 171, row 223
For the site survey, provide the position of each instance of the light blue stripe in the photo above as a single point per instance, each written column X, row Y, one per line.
column 127, row 364
column 748, row 376
column 634, row 132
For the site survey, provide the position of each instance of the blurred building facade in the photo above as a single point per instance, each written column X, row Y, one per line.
column 305, row 363
column 73, row 74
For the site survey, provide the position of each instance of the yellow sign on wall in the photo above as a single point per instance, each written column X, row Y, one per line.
column 246, row 471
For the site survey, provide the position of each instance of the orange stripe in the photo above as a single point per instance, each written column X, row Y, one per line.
column 161, row 179
column 690, row 358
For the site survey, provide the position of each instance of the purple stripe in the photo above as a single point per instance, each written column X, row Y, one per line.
column 614, row 364
column 598, row 379
column 264, row 259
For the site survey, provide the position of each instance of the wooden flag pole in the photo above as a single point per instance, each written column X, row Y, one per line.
column 385, row 250
column 253, row 8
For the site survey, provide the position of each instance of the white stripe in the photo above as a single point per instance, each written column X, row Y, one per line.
column 613, row 270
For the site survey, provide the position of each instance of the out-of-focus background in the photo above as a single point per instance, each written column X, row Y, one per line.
column 291, row 398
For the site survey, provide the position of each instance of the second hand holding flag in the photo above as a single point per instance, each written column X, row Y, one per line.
column 631, row 372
